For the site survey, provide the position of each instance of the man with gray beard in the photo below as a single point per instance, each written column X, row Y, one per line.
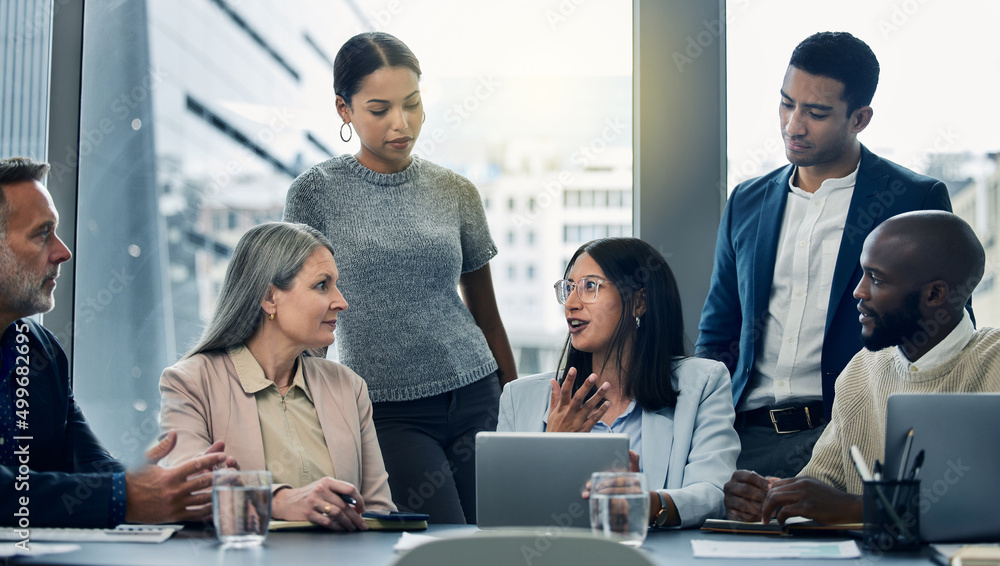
column 53, row 470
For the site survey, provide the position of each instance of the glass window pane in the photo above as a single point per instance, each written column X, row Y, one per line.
column 910, row 126
column 200, row 114
column 24, row 79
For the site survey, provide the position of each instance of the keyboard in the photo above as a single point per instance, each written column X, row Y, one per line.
column 121, row 533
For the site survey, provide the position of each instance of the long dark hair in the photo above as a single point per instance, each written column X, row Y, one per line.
column 364, row 54
column 632, row 265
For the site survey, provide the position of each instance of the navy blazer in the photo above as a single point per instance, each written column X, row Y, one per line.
column 734, row 317
column 69, row 484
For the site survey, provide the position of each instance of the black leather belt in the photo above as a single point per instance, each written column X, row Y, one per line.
column 785, row 420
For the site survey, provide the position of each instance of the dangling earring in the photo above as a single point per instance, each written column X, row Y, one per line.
column 350, row 132
column 271, row 316
column 637, row 322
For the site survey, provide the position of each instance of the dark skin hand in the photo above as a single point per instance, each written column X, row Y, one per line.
column 745, row 493
column 810, row 498
column 569, row 412
column 477, row 292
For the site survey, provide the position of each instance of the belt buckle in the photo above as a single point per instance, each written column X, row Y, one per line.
column 774, row 421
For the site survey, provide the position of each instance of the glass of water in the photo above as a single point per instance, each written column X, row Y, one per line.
column 241, row 506
column 619, row 506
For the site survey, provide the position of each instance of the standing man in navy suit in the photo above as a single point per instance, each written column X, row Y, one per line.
column 780, row 312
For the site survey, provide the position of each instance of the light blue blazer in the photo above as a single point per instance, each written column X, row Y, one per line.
column 689, row 450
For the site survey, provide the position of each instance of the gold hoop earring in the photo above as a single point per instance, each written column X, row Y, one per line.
column 271, row 317
column 350, row 132
column 424, row 118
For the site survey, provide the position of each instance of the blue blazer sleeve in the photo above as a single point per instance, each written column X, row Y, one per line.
column 721, row 317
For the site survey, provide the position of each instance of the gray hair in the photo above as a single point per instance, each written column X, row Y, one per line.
column 268, row 254
column 17, row 170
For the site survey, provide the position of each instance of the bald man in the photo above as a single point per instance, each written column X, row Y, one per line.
column 919, row 270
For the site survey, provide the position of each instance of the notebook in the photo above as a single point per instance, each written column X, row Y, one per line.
column 534, row 479
column 958, row 432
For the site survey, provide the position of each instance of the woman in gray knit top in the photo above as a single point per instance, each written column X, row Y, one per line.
column 408, row 234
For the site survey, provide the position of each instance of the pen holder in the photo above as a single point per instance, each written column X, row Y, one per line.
column 891, row 515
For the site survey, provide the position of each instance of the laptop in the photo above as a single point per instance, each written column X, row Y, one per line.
column 534, row 479
column 958, row 480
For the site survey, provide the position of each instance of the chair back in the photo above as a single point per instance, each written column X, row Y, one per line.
column 494, row 548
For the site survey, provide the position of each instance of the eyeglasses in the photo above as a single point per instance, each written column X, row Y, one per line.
column 586, row 287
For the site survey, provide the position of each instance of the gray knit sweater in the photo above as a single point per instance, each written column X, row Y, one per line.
column 401, row 241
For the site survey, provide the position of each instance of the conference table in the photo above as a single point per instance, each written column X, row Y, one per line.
column 192, row 547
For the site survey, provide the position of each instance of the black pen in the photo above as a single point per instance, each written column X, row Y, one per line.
column 348, row 499
column 906, row 456
column 917, row 462
column 902, row 465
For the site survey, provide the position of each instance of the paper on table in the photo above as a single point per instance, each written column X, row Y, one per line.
column 409, row 541
column 36, row 549
column 775, row 549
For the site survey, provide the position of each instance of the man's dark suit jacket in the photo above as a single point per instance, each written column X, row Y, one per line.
column 734, row 317
column 70, row 480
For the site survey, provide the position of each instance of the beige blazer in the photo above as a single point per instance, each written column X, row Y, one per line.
column 202, row 399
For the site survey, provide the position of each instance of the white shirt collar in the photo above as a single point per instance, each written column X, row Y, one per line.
column 953, row 343
column 828, row 185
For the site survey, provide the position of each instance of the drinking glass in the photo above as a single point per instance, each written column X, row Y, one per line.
column 619, row 506
column 241, row 506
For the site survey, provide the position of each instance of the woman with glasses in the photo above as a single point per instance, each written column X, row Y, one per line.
column 624, row 370
column 409, row 234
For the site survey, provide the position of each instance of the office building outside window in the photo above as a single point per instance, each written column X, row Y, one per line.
column 200, row 113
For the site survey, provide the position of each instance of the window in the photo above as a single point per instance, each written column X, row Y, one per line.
column 24, row 80
column 571, row 199
column 959, row 146
column 214, row 107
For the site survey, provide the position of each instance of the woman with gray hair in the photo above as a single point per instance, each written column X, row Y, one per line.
column 250, row 382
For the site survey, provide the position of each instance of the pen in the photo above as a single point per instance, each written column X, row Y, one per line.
column 860, row 464
column 348, row 499
column 906, row 456
column 902, row 465
column 877, row 471
column 917, row 462
column 862, row 467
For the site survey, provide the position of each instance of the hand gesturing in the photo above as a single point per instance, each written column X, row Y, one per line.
column 569, row 412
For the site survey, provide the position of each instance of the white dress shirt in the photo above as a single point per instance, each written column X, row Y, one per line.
column 787, row 368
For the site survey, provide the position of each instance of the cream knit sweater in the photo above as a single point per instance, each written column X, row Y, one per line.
column 863, row 388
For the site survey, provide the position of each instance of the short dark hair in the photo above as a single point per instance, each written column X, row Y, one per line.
column 632, row 265
column 843, row 57
column 18, row 170
column 364, row 54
